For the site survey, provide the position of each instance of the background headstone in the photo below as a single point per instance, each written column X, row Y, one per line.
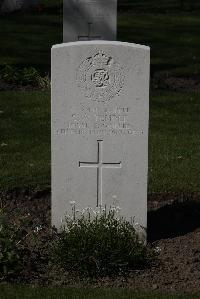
column 89, row 20
column 12, row 5
column 100, row 106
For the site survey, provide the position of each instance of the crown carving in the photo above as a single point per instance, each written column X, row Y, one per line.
column 102, row 59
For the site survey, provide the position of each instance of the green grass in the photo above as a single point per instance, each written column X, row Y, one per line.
column 19, row 292
column 174, row 143
column 173, row 33
column 25, row 139
column 161, row 6
column 27, row 38
column 174, row 36
column 174, row 40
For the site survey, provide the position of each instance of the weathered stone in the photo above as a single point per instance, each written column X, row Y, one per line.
column 12, row 5
column 100, row 106
column 89, row 20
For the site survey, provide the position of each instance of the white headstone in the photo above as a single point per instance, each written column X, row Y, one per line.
column 100, row 107
column 89, row 20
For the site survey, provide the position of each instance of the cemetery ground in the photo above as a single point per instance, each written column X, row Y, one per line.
column 82, row 293
column 174, row 156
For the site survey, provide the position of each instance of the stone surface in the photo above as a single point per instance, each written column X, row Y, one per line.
column 89, row 20
column 12, row 5
column 100, row 107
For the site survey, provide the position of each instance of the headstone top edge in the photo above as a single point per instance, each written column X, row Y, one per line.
column 100, row 42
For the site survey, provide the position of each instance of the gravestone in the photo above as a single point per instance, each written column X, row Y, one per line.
column 13, row 5
column 89, row 20
column 100, row 106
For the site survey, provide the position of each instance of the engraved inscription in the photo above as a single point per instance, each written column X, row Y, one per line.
column 100, row 77
column 99, row 165
column 100, row 121
column 101, row 132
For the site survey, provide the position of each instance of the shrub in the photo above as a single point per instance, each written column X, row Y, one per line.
column 22, row 246
column 9, row 252
column 25, row 76
column 100, row 246
column 29, row 76
column 44, row 82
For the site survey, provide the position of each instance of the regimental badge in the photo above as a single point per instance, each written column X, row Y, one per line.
column 100, row 77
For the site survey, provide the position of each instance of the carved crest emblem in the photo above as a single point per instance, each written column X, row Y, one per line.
column 100, row 77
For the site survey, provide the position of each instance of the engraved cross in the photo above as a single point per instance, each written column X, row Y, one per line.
column 99, row 165
column 89, row 36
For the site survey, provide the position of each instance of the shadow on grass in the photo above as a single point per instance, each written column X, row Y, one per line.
column 163, row 67
column 156, row 6
column 173, row 220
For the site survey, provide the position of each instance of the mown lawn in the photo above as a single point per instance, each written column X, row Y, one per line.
column 172, row 33
column 19, row 292
column 174, row 40
column 174, row 156
column 174, row 142
column 25, row 139
column 167, row 6
column 27, row 37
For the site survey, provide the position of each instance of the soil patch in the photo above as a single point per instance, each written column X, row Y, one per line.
column 173, row 230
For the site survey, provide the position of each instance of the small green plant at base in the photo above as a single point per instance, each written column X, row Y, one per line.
column 9, row 252
column 100, row 246
column 17, row 239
